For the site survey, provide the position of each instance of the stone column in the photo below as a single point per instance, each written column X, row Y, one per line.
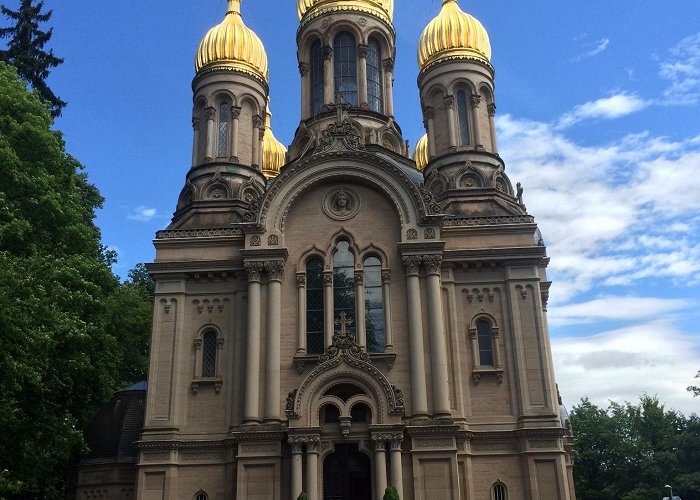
column 328, row 308
column 386, row 295
column 301, row 313
column 235, row 114
column 449, row 102
column 438, row 350
column 362, row 76
column 312, row 468
column 419, row 398
column 475, row 100
column 195, row 142
column 274, row 269
column 360, row 326
column 255, row 139
column 429, row 120
column 379, row 465
column 304, row 69
column 396, row 466
column 492, row 126
column 389, row 87
column 252, row 376
column 297, row 467
column 210, row 114
column 329, row 83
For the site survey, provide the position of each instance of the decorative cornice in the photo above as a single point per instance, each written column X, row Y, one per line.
column 490, row 221
column 172, row 234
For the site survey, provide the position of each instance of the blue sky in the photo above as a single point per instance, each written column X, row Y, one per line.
column 598, row 106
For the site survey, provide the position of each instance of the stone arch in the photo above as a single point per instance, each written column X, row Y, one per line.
column 342, row 235
column 373, row 251
column 224, row 95
column 305, row 44
column 384, row 42
column 344, row 25
column 314, row 251
column 469, row 173
column 217, row 188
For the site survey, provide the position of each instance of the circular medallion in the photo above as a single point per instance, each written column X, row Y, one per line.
column 341, row 203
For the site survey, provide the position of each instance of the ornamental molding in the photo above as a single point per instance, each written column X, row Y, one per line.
column 173, row 234
column 490, row 221
column 434, row 442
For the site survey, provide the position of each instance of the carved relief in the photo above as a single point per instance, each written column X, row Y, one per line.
column 433, row 442
column 273, row 240
column 429, row 233
column 255, row 241
column 341, row 203
column 274, row 269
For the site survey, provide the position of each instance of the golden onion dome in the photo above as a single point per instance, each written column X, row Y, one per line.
column 232, row 45
column 274, row 152
column 421, row 155
column 453, row 34
column 383, row 9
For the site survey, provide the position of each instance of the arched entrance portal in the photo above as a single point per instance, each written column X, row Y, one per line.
column 347, row 474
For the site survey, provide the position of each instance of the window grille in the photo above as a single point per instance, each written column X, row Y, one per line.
column 209, row 354
column 223, row 129
column 463, row 115
column 345, row 67
column 375, row 91
column 317, row 77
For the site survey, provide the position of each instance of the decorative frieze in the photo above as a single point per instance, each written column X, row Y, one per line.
column 257, row 449
column 434, row 442
column 156, row 457
column 495, row 447
column 490, row 221
column 173, row 234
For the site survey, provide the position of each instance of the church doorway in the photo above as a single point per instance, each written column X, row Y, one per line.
column 347, row 474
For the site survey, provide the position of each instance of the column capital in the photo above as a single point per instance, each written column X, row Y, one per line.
column 327, row 52
column 449, row 101
column 304, row 69
column 235, row 112
column 254, row 270
column 210, row 113
column 359, row 277
column 195, row 123
column 395, row 441
column 258, row 122
column 328, row 278
column 433, row 263
column 428, row 113
column 388, row 64
column 475, row 100
column 301, row 280
column 411, row 263
column 491, row 109
column 274, row 270
column 386, row 276
column 362, row 50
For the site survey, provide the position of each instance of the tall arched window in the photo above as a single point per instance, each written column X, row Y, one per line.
column 345, row 67
column 499, row 492
column 317, row 77
column 314, row 306
column 374, row 305
column 463, row 116
column 344, row 282
column 375, row 90
column 483, row 335
column 223, row 130
column 209, row 354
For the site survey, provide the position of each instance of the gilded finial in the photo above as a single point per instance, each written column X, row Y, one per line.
column 234, row 7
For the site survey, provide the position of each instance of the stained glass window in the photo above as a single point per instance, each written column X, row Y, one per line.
column 314, row 306
column 345, row 66
column 209, row 354
column 483, row 333
column 317, row 77
column 374, row 305
column 344, row 283
column 463, row 115
column 223, row 130
column 375, row 91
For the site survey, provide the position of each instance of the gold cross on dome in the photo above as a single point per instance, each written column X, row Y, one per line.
column 343, row 322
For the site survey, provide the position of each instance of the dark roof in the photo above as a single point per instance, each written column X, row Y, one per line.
column 113, row 432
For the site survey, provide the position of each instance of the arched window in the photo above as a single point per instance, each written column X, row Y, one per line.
column 344, row 282
column 374, row 305
column 209, row 354
column 331, row 414
column 483, row 335
column 314, row 306
column 345, row 67
column 463, row 117
column 201, row 496
column 317, row 77
column 360, row 412
column 223, row 129
column 499, row 492
column 375, row 91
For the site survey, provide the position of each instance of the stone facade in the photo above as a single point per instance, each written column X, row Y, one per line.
column 435, row 376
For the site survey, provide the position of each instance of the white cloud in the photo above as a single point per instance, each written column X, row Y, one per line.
column 614, row 106
column 143, row 214
column 620, row 365
column 682, row 70
column 600, row 46
column 614, row 308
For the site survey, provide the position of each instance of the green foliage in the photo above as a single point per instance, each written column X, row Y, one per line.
column 303, row 496
column 70, row 333
column 695, row 389
column 25, row 49
column 391, row 493
column 631, row 451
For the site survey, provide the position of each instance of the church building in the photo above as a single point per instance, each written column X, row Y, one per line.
column 345, row 316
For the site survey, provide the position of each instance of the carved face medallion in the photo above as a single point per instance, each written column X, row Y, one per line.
column 341, row 203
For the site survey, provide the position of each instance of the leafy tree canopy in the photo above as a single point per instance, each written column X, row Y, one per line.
column 25, row 49
column 695, row 389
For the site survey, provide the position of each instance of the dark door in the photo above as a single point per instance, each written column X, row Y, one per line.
column 347, row 474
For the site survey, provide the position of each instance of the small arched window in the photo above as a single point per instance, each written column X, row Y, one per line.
column 374, row 305
column 344, row 282
column 223, row 129
column 317, row 77
column 375, row 91
column 463, row 117
column 345, row 67
column 499, row 492
column 331, row 414
column 314, row 306
column 201, row 496
column 360, row 412
column 209, row 354
column 485, row 341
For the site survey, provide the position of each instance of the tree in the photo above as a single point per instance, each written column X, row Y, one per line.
column 62, row 352
column 303, row 496
column 631, row 451
column 25, row 49
column 391, row 493
column 695, row 389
